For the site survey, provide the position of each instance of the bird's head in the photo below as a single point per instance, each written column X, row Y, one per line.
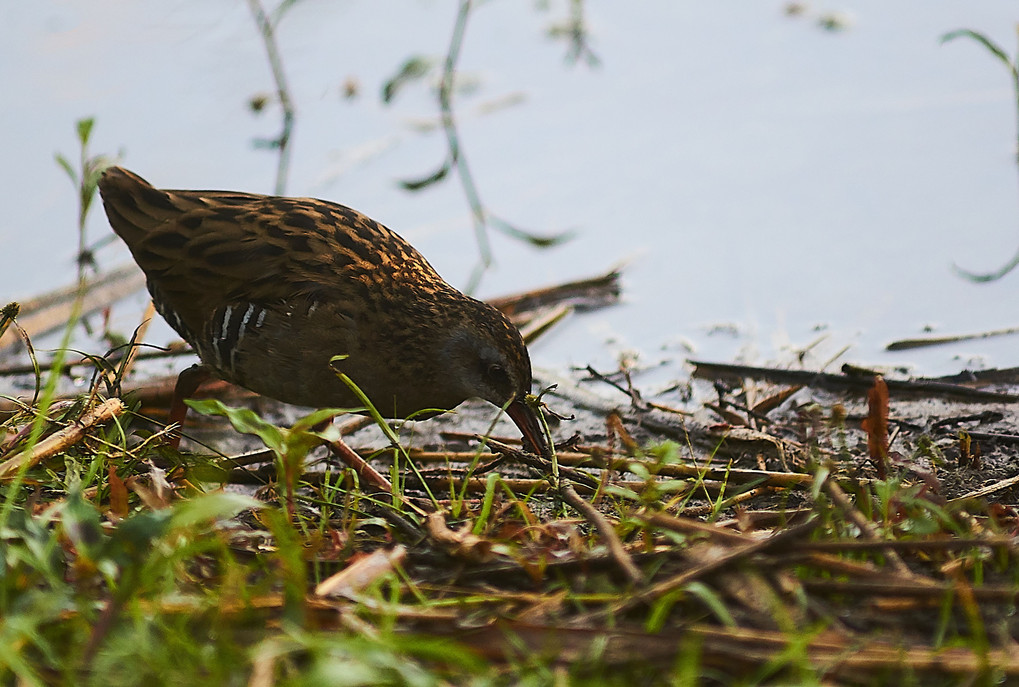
column 485, row 357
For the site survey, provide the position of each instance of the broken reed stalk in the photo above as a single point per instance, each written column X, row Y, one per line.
column 736, row 553
column 607, row 532
column 843, row 655
column 569, row 494
column 932, row 591
column 921, row 342
column 172, row 352
column 63, row 439
column 574, row 458
column 690, row 526
column 365, row 472
column 139, row 335
column 850, row 383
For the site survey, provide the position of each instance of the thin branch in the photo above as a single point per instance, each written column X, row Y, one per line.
column 608, row 533
column 725, row 559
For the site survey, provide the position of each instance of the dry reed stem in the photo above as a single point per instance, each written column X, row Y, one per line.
column 606, row 530
column 365, row 472
column 143, row 328
column 729, row 557
column 63, row 439
column 575, row 458
column 840, row 655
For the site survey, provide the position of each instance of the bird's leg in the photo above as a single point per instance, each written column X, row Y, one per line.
column 187, row 384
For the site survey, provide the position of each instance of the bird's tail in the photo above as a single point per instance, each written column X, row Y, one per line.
column 132, row 204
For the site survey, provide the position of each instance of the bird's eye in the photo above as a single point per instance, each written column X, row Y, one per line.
column 496, row 375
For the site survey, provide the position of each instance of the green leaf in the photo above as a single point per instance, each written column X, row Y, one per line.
column 308, row 422
column 424, row 182
column 538, row 240
column 381, row 423
column 218, row 505
column 413, row 69
column 85, row 130
column 991, row 46
column 710, row 598
column 80, row 521
column 660, row 610
column 136, row 534
column 622, row 492
column 640, row 471
column 988, row 276
column 62, row 161
column 672, row 486
column 244, row 420
column 372, row 410
column 817, row 484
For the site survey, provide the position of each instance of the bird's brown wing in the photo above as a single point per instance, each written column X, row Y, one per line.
column 203, row 250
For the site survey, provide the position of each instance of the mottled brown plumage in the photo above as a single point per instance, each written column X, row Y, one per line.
column 268, row 290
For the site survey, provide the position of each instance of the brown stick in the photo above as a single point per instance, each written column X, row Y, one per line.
column 920, row 342
column 365, row 472
column 691, row 526
column 988, row 490
column 909, row 588
column 59, row 441
column 840, row 655
column 736, row 553
column 860, row 384
column 572, row 458
column 584, row 294
column 607, row 531
column 143, row 328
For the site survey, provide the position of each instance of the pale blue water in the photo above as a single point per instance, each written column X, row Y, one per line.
column 753, row 168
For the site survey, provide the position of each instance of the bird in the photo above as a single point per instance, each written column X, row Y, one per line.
column 277, row 294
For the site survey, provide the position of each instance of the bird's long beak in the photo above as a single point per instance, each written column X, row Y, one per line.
column 526, row 419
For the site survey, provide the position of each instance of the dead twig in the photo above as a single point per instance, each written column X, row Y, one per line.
column 158, row 354
column 911, row 588
column 619, row 553
column 924, row 341
column 910, row 544
column 691, row 526
column 365, row 472
column 727, row 558
column 570, row 496
column 980, row 493
column 63, row 439
column 139, row 334
column 583, row 294
column 753, row 646
column 860, row 384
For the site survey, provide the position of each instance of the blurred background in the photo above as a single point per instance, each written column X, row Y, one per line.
column 775, row 177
